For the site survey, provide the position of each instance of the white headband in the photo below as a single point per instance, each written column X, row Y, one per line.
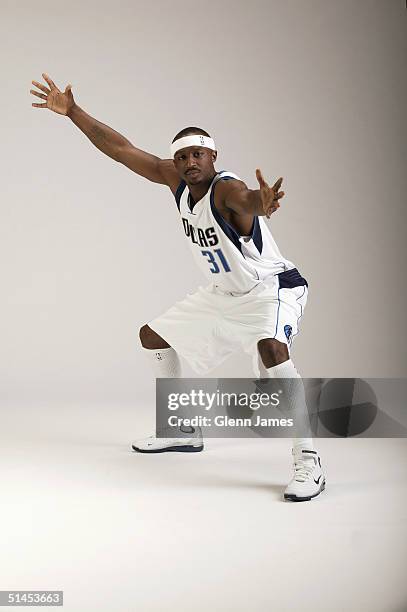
column 195, row 140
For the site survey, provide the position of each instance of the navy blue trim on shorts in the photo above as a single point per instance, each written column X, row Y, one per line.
column 290, row 279
column 300, row 317
column 278, row 312
column 178, row 194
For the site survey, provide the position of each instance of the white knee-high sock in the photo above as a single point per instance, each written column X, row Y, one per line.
column 165, row 362
column 297, row 402
column 262, row 368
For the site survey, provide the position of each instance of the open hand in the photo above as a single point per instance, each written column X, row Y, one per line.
column 270, row 196
column 56, row 100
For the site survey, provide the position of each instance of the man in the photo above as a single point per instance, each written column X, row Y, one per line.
column 255, row 298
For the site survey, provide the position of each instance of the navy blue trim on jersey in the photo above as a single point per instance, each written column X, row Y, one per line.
column 290, row 279
column 256, row 236
column 191, row 203
column 230, row 232
column 178, row 194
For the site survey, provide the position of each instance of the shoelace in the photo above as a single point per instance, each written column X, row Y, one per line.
column 303, row 469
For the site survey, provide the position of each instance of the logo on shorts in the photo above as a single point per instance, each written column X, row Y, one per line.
column 288, row 330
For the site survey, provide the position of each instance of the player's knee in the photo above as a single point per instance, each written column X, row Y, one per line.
column 145, row 335
column 272, row 352
column 150, row 339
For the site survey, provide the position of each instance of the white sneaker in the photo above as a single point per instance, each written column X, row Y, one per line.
column 190, row 441
column 308, row 480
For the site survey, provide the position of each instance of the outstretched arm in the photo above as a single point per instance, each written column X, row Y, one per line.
column 105, row 138
column 264, row 201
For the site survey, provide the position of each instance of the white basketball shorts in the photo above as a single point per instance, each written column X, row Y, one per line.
column 208, row 326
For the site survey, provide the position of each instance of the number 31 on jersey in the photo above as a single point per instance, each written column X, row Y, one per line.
column 212, row 260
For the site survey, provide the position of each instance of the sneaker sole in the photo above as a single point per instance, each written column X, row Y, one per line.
column 170, row 449
column 294, row 498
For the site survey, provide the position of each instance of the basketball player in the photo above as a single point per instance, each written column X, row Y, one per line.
column 255, row 298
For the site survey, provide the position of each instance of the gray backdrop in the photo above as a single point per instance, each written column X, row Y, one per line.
column 310, row 90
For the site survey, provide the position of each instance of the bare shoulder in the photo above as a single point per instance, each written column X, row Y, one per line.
column 224, row 189
column 229, row 200
column 169, row 174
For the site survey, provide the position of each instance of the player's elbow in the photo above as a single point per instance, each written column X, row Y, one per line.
column 122, row 155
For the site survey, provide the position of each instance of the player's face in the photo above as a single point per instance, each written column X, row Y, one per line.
column 195, row 164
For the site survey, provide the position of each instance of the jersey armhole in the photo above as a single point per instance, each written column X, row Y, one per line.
column 178, row 194
column 229, row 230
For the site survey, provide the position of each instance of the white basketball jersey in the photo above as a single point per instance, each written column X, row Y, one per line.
column 234, row 263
